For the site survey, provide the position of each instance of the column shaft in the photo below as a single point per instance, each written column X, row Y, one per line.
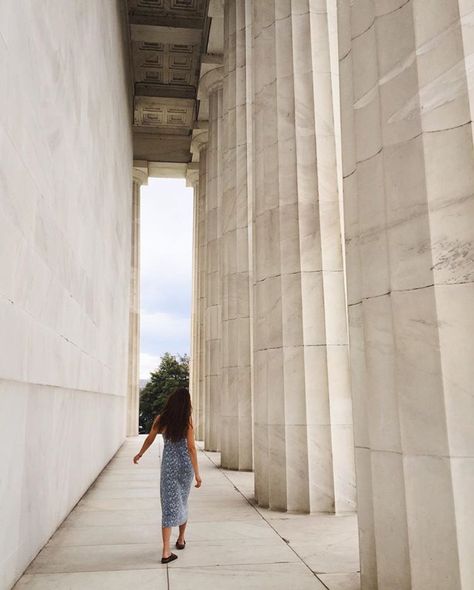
column 195, row 322
column 408, row 201
column 213, row 266
column 236, row 439
column 201, row 296
column 133, row 395
column 303, row 416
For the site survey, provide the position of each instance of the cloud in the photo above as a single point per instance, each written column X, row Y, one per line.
column 164, row 331
column 148, row 363
column 171, row 297
column 165, row 270
column 160, row 333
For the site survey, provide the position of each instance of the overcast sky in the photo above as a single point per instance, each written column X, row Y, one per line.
column 166, row 269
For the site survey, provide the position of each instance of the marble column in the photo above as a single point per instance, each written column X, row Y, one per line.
column 302, row 402
column 192, row 181
column 236, row 402
column 140, row 177
column 202, row 286
column 213, row 328
column 408, row 198
column 198, row 373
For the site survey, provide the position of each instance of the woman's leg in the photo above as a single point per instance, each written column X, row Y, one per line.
column 182, row 528
column 166, row 534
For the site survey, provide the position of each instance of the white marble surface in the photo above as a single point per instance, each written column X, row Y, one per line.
column 408, row 172
column 231, row 543
column 302, row 402
column 65, row 223
column 140, row 177
column 198, row 353
column 213, row 300
column 236, row 404
column 406, row 119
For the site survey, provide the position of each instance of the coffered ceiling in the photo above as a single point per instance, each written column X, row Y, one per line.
column 167, row 39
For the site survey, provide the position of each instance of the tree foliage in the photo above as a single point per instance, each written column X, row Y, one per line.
column 173, row 372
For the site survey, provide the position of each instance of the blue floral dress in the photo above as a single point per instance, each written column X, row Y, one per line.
column 175, row 482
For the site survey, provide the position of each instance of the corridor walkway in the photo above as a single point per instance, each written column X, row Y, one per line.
column 111, row 540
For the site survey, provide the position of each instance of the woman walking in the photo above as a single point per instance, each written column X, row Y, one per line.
column 178, row 465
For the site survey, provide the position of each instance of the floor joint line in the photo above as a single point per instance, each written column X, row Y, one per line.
column 264, row 519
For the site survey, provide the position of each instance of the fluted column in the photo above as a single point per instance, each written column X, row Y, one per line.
column 236, row 404
column 202, row 287
column 192, row 180
column 409, row 210
column 303, row 415
column 197, row 175
column 213, row 266
column 140, row 177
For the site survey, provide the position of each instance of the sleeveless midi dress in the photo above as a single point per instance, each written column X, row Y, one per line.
column 175, row 482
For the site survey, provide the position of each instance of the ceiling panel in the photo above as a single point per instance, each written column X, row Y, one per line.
column 168, row 38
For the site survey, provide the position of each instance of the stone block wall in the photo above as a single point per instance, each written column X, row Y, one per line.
column 65, row 223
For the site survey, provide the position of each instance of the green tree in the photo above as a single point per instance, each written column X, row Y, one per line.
column 173, row 372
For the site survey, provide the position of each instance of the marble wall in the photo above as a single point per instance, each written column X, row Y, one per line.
column 65, row 229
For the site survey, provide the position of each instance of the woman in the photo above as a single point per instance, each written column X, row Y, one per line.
column 178, row 464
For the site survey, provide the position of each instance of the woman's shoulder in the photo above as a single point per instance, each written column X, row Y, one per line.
column 156, row 423
column 159, row 427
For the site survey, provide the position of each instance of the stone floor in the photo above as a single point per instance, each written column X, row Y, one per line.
column 112, row 538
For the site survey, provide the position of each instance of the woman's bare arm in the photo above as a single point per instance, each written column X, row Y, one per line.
column 148, row 441
column 193, row 453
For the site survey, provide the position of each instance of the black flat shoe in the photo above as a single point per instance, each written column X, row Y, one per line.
column 179, row 546
column 172, row 557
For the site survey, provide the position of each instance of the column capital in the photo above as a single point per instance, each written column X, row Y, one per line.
column 199, row 142
column 192, row 174
column 140, row 172
column 216, row 8
column 210, row 82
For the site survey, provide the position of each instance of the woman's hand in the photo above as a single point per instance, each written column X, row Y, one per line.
column 198, row 481
column 148, row 441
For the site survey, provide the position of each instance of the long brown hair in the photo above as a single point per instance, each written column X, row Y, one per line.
column 175, row 418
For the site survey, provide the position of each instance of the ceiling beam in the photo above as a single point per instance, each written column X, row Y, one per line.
column 180, row 22
column 212, row 59
column 164, row 90
column 167, row 170
column 155, row 34
column 161, row 148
